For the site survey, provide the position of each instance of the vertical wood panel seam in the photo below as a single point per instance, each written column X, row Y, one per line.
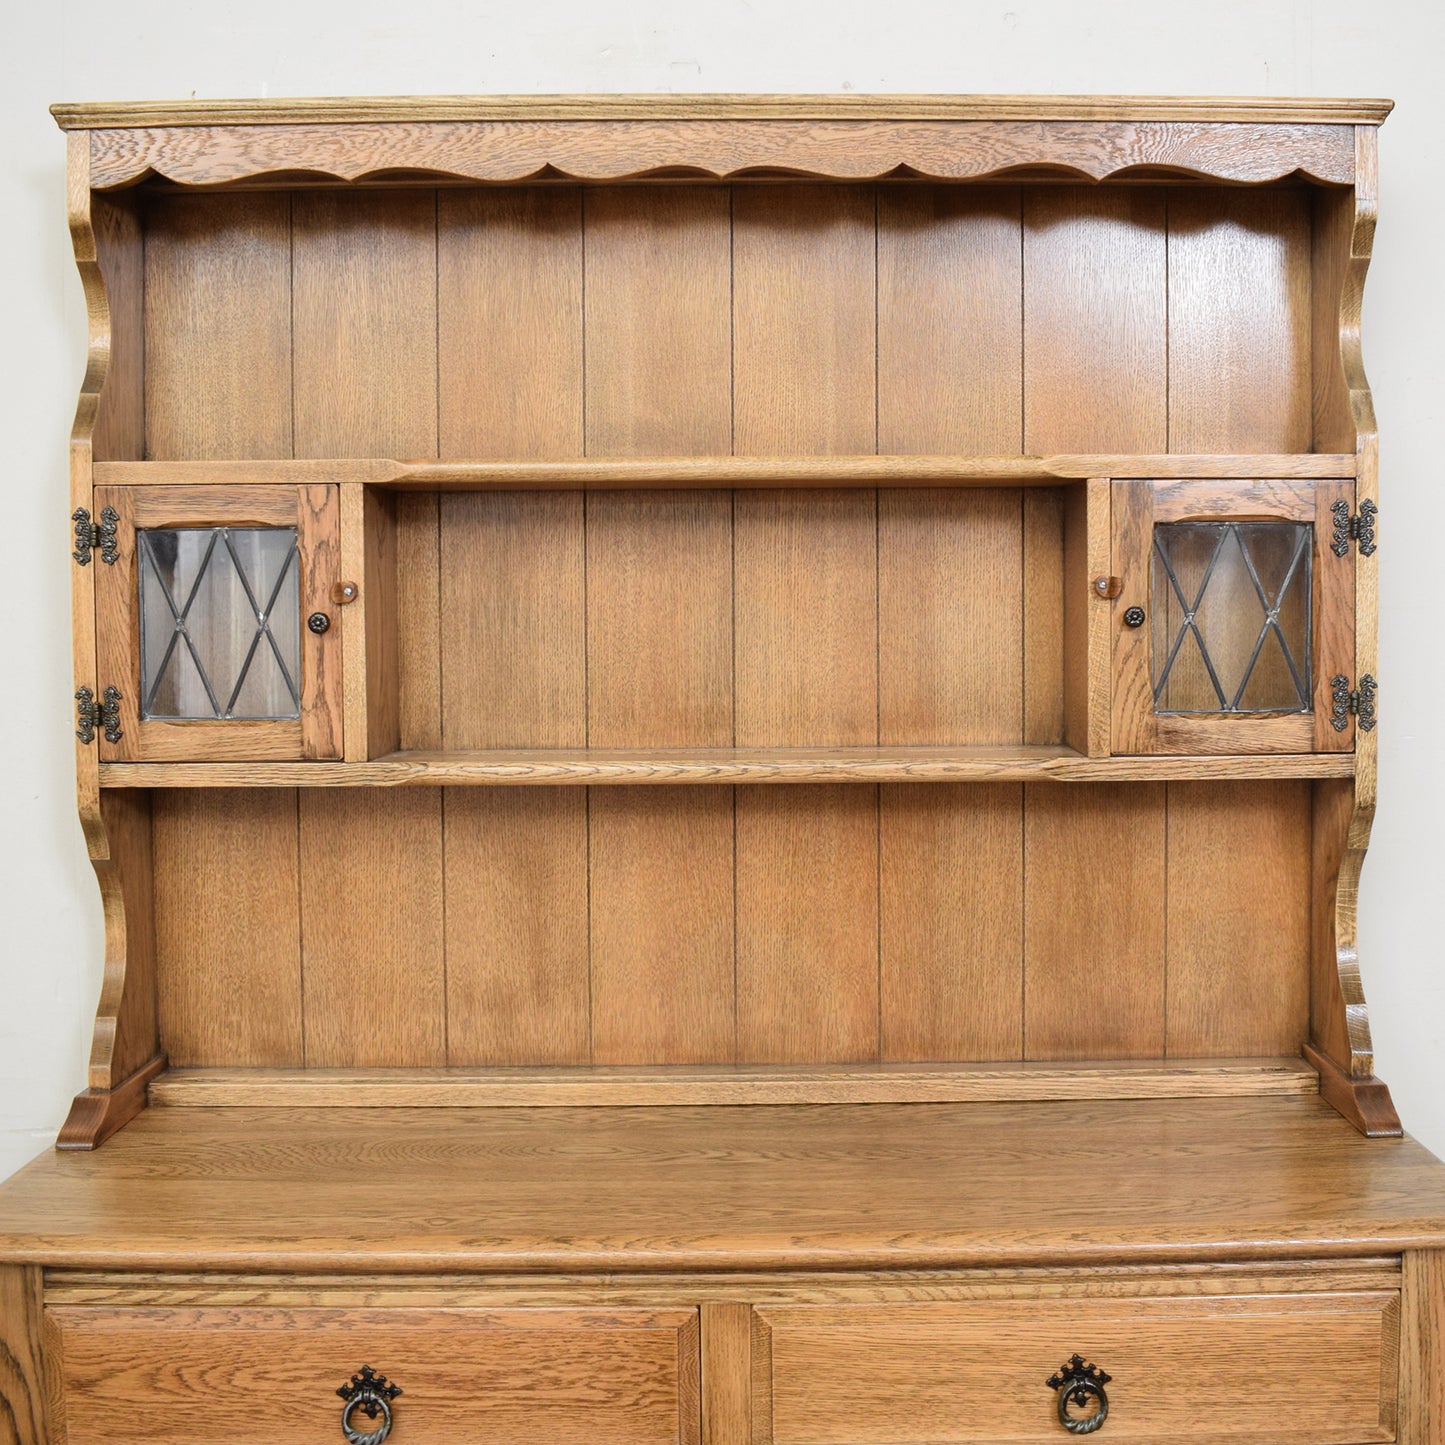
column 144, row 389
column 300, row 924
column 582, row 299
column 587, row 856
column 1023, row 333
column 1023, row 921
column 1168, row 824
column 437, row 333
column 446, row 984
column 1168, row 447
column 291, row 300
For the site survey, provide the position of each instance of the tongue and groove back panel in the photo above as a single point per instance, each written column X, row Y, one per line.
column 709, row 924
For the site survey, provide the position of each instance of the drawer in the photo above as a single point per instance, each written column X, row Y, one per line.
column 1288, row 1369
column 254, row 1376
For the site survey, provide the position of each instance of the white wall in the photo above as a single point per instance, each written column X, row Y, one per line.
column 50, row 931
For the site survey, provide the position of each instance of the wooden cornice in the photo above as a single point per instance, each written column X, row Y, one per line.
column 1250, row 110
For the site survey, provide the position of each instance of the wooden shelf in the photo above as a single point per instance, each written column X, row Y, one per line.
column 722, row 1084
column 560, row 767
column 450, row 1190
column 689, row 472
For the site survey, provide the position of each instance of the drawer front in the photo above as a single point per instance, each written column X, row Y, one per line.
column 1303, row 1369
column 257, row 1376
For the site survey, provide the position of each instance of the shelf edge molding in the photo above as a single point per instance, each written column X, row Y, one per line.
column 760, row 1084
column 723, row 766
column 672, row 473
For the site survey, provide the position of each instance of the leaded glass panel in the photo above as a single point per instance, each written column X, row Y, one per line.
column 1230, row 631
column 220, row 623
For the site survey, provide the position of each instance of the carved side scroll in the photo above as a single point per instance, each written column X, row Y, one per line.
column 105, row 235
column 1344, row 811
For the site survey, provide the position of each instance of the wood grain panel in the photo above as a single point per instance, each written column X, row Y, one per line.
column 1094, row 320
column 806, row 618
column 1422, row 1348
column 661, row 885
column 1239, row 918
column 726, row 1374
column 659, row 619
column 373, row 974
column 838, row 1371
column 951, row 913
column 1239, row 320
column 1094, row 881
column 228, row 929
column 513, row 620
column 950, row 312
column 659, row 321
column 365, row 323
column 418, row 619
column 509, row 280
column 218, row 326
column 574, row 1377
column 950, row 616
column 516, row 926
column 1047, row 641
column 23, row 1385
column 804, row 319
column 115, row 318
column 807, row 924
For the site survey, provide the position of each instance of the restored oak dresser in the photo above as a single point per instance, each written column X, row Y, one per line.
column 728, row 744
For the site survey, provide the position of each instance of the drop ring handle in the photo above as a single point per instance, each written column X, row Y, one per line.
column 369, row 1394
column 1077, row 1383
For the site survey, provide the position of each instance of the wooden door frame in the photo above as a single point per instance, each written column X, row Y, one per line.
column 315, row 511
column 1136, row 507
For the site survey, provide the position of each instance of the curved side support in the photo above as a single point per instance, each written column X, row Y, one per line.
column 589, row 150
column 105, row 236
column 1342, row 1047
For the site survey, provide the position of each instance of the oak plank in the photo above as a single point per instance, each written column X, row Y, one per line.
column 658, row 320
column 951, row 922
column 807, row 924
column 1239, row 918
column 365, row 322
column 373, row 967
column 661, row 883
column 516, row 926
column 659, row 619
column 804, row 319
column 509, row 329
column 950, row 617
column 228, row 928
column 218, row 326
column 418, row 620
column 806, row 618
column 1094, row 320
column 1047, row 638
column 950, row 314
column 1239, row 320
column 513, row 629
column 24, row 1390
column 1094, row 965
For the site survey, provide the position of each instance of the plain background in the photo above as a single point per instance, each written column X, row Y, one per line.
column 73, row 50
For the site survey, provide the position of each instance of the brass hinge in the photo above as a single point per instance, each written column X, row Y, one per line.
column 104, row 714
column 1359, row 703
column 91, row 536
column 1359, row 528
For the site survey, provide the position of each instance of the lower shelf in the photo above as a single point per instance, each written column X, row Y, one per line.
column 561, row 766
column 731, row 1084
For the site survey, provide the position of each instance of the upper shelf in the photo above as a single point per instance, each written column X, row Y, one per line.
column 722, row 472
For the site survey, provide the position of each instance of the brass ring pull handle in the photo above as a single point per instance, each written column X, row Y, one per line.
column 1078, row 1383
column 367, row 1393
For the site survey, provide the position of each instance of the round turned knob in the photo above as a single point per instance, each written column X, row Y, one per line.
column 1134, row 617
column 1080, row 1384
column 369, row 1394
column 319, row 622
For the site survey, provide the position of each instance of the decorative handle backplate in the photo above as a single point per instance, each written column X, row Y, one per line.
column 1077, row 1384
column 369, row 1394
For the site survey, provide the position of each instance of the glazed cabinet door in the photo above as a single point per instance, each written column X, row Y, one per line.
column 215, row 623
column 1233, row 627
